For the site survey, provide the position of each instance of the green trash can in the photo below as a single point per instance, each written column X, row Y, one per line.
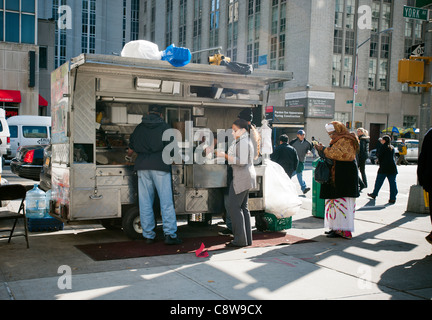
column 318, row 204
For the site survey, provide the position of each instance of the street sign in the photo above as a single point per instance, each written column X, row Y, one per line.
column 416, row 13
column 418, row 50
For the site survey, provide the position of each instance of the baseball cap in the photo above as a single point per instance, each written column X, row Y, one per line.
column 155, row 108
column 301, row 132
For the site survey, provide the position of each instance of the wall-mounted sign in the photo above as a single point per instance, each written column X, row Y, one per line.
column 289, row 115
column 317, row 104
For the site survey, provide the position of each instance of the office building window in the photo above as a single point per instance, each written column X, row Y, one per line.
column 182, row 23
column 278, row 38
column 380, row 45
column 344, row 43
column 337, row 68
column 1, row 24
column 18, row 21
column 197, row 30
column 214, row 24
column 135, row 9
column 124, row 22
column 233, row 20
column 60, row 35
column 88, row 37
column 410, row 122
column 169, row 23
column 43, row 58
column 153, row 21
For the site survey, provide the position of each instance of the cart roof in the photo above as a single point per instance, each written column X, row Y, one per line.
column 163, row 70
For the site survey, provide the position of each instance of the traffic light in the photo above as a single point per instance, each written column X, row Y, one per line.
column 411, row 71
column 217, row 59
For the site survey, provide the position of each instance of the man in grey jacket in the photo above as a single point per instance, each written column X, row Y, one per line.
column 302, row 147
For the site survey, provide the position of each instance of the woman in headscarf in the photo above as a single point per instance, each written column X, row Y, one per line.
column 342, row 189
column 387, row 169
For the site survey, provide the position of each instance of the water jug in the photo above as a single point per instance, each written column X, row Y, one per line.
column 35, row 203
column 48, row 196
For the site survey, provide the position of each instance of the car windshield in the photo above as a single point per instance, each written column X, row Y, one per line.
column 1, row 127
column 35, row 132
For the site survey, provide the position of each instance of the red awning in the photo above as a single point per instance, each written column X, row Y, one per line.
column 42, row 102
column 10, row 96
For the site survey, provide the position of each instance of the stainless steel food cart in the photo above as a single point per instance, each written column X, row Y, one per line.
column 98, row 100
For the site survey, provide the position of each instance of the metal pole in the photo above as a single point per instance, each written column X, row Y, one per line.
column 355, row 85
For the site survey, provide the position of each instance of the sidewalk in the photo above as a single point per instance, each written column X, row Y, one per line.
column 387, row 259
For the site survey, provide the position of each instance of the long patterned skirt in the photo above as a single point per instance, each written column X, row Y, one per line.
column 339, row 216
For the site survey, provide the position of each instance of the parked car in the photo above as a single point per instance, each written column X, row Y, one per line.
column 28, row 162
column 372, row 156
column 4, row 135
column 45, row 174
column 28, row 131
column 412, row 149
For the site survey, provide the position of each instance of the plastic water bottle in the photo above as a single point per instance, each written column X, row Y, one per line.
column 35, row 203
column 48, row 196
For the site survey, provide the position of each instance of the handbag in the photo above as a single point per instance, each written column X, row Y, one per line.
column 323, row 170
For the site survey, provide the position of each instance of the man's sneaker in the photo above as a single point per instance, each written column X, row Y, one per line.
column 226, row 232
column 306, row 190
column 370, row 195
column 149, row 241
column 172, row 241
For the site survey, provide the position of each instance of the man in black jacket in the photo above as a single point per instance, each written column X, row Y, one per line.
column 153, row 174
column 424, row 171
column 286, row 156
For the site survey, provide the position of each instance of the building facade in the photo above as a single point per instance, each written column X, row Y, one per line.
column 90, row 26
column 314, row 39
column 19, row 70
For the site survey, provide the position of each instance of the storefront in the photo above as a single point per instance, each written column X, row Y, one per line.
column 10, row 101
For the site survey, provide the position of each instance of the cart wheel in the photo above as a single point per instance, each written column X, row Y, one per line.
column 131, row 224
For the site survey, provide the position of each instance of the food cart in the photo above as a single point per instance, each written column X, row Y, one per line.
column 97, row 102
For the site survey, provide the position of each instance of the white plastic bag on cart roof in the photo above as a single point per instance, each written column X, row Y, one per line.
column 280, row 193
column 142, row 49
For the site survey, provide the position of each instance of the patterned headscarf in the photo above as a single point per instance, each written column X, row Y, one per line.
column 342, row 132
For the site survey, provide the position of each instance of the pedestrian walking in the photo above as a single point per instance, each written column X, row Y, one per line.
column 362, row 156
column 240, row 156
column 302, row 147
column 424, row 171
column 342, row 189
column 387, row 169
column 153, row 174
column 285, row 156
column 403, row 151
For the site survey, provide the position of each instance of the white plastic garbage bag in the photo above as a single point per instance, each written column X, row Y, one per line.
column 142, row 49
column 281, row 198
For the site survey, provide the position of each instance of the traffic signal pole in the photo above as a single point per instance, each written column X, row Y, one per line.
column 416, row 202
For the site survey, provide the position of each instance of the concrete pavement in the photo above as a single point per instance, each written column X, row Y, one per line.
column 387, row 259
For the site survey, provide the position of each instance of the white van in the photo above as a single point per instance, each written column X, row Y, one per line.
column 28, row 131
column 4, row 134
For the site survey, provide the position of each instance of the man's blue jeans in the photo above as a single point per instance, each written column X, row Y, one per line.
column 302, row 183
column 392, row 181
column 148, row 182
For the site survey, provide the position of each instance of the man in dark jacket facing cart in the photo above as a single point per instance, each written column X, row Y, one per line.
column 286, row 156
column 153, row 174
